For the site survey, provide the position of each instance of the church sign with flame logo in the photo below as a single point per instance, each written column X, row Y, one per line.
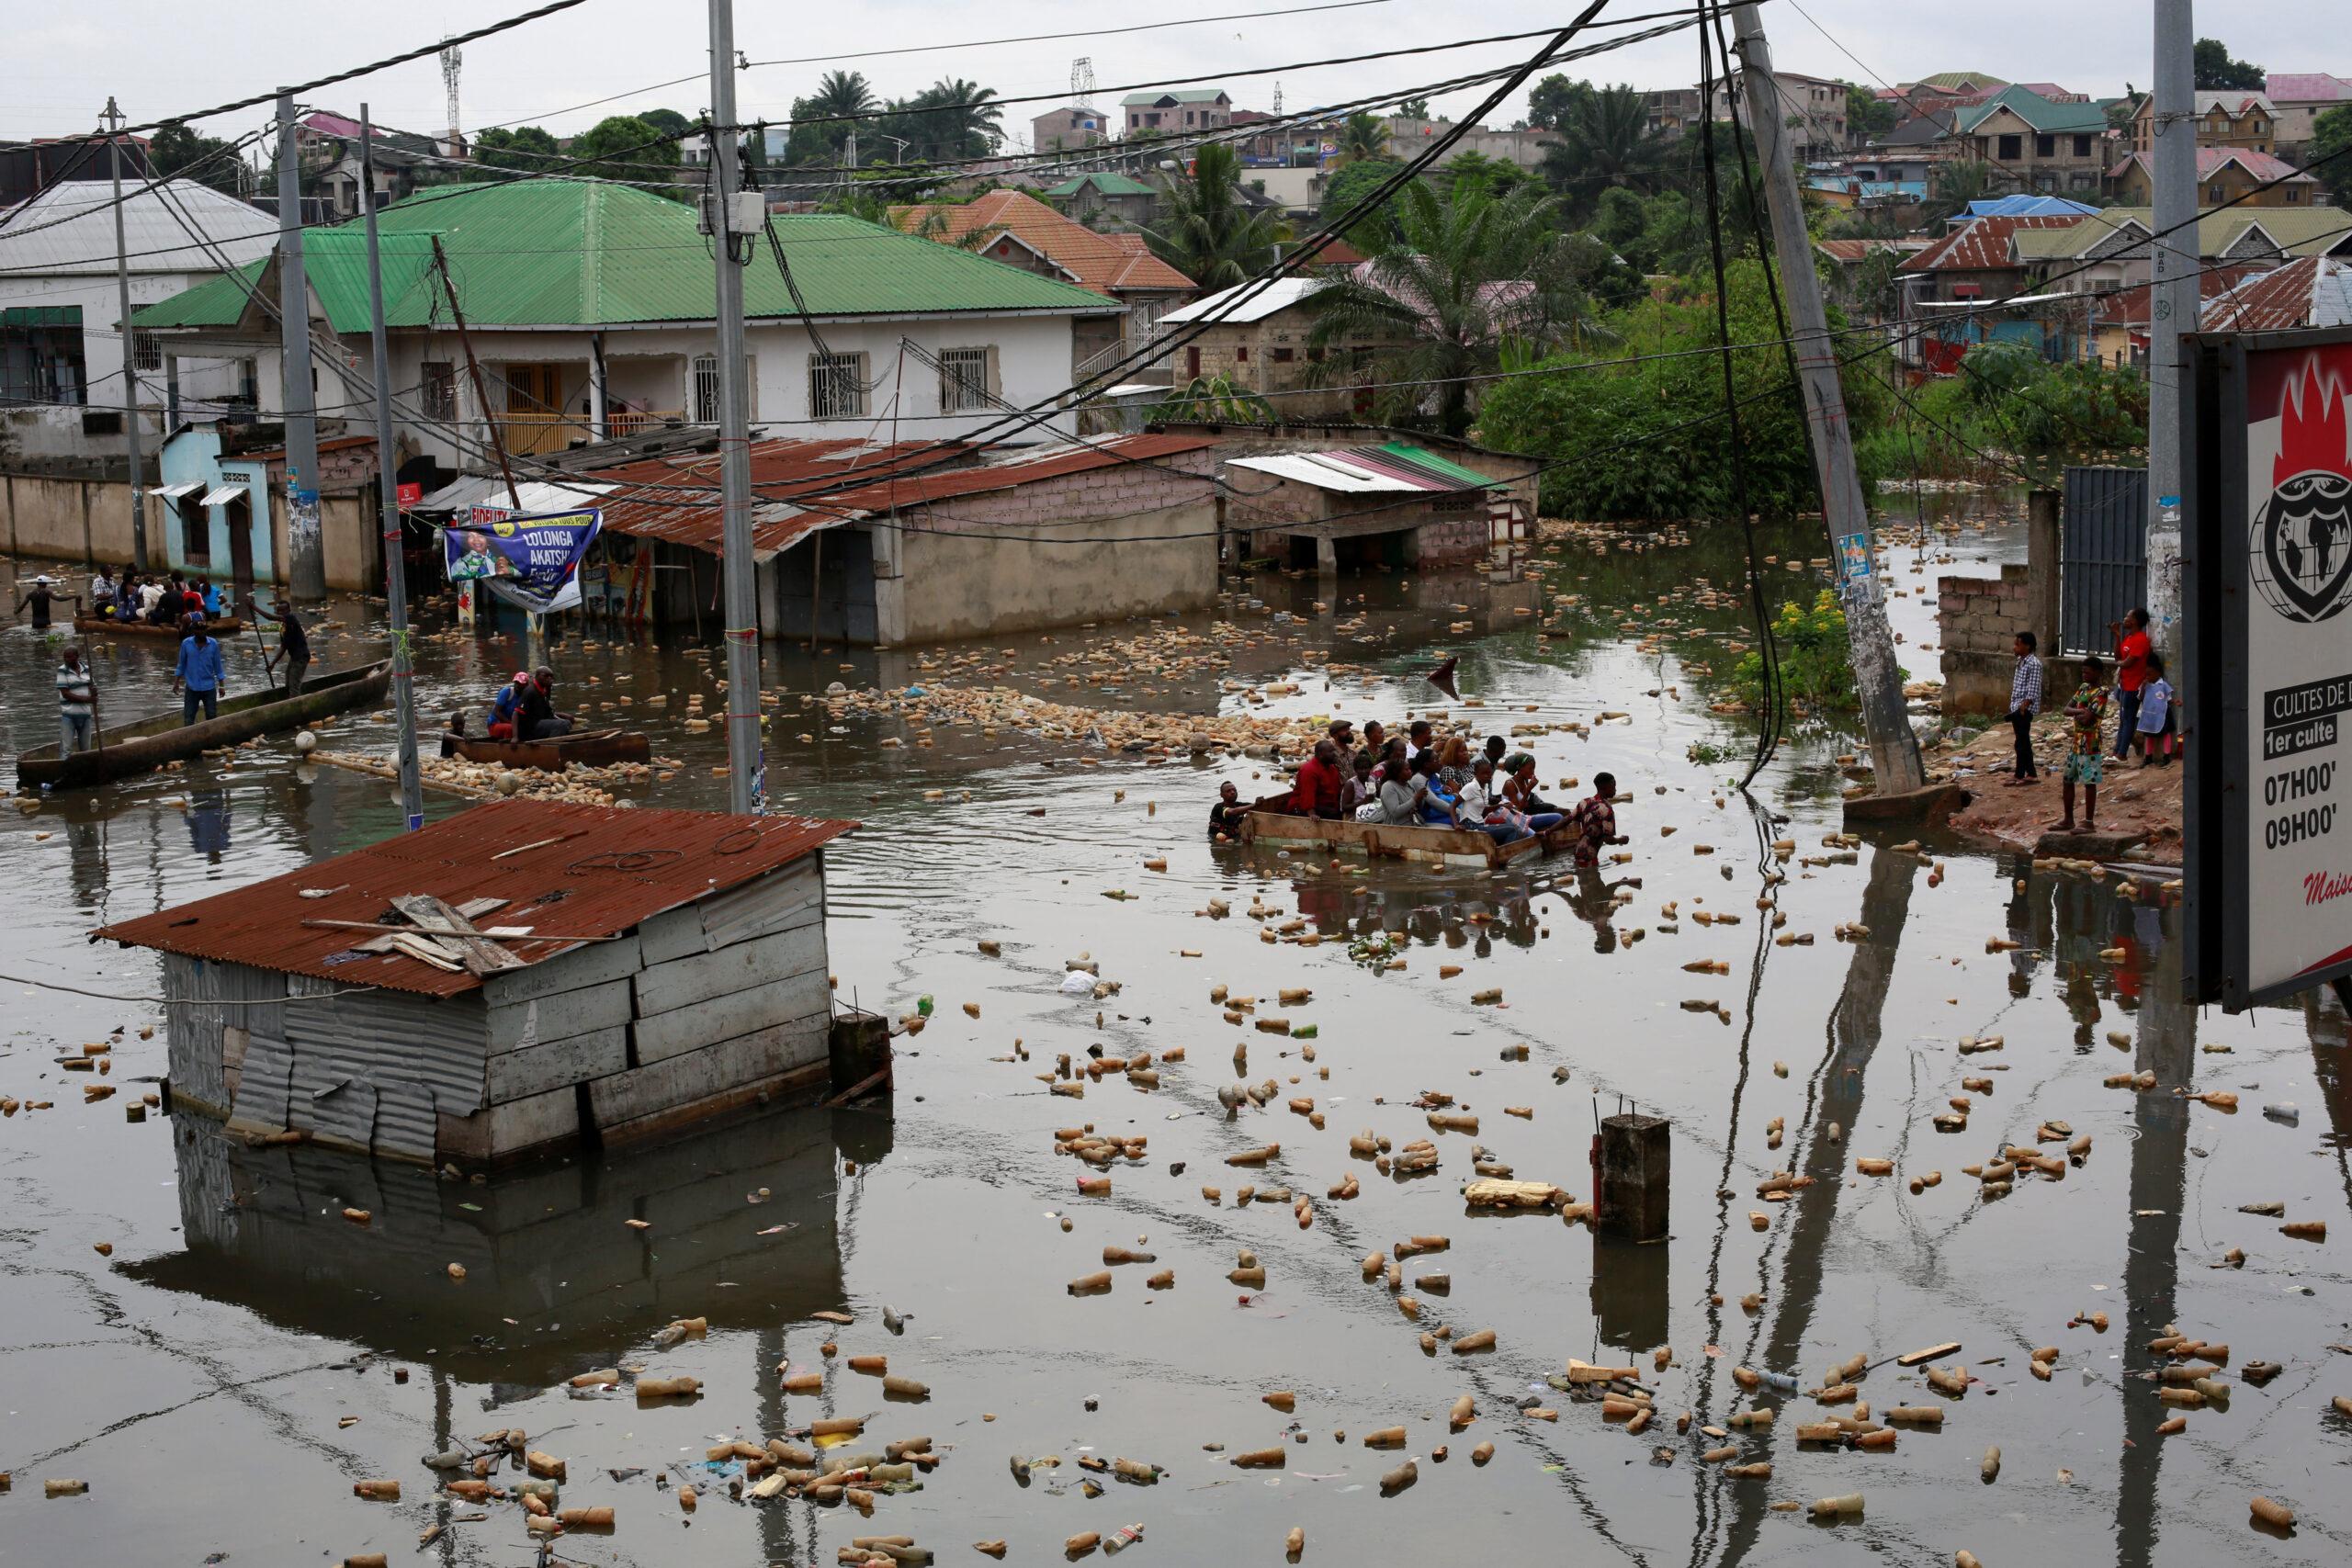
column 2267, row 665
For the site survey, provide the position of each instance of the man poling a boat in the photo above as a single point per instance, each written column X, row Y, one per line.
column 293, row 643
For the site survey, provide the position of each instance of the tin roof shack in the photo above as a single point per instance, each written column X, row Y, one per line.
column 633, row 971
column 1388, row 503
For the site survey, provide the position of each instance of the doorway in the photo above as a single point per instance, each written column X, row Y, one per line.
column 240, row 513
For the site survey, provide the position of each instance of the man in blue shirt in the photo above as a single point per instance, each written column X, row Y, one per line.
column 198, row 675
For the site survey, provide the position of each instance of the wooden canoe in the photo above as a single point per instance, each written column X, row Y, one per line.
column 591, row 747
column 148, row 743
column 107, row 625
column 1455, row 847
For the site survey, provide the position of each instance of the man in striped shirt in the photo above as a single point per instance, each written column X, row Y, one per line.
column 76, row 700
column 2025, row 701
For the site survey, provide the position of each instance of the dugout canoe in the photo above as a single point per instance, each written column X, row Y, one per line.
column 107, row 625
column 592, row 748
column 146, row 744
column 1453, row 847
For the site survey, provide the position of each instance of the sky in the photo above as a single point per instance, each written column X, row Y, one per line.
column 165, row 58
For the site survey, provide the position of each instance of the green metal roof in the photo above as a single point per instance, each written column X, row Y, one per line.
column 1104, row 181
column 544, row 252
column 2037, row 111
column 1948, row 79
column 1423, row 458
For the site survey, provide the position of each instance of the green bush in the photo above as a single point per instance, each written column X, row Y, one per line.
column 1816, row 662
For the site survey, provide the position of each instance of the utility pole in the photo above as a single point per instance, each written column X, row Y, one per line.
column 1894, row 751
column 306, row 567
column 731, row 234
column 388, row 496
column 129, row 347
column 2172, row 305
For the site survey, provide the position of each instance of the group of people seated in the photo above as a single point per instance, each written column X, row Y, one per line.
column 524, row 708
column 163, row 601
column 1419, row 779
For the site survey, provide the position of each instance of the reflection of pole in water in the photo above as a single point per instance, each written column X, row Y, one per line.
column 443, row 1443
column 2166, row 1046
column 1803, row 1236
column 775, row 1521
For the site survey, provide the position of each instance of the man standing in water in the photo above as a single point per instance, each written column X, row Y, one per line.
column 38, row 598
column 199, row 675
column 77, row 699
column 1596, row 819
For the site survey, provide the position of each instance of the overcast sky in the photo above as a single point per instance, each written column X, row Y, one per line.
column 167, row 57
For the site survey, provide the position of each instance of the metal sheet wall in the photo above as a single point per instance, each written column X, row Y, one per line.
column 2103, row 555
column 193, row 1027
column 374, row 1069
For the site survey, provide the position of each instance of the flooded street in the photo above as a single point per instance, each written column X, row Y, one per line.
column 241, row 1354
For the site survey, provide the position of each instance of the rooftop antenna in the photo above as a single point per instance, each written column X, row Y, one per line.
column 1082, row 79
column 1278, row 94
column 450, row 59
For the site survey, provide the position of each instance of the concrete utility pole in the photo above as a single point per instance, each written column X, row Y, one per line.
column 2172, row 305
column 1894, row 751
column 129, row 347
column 306, row 567
column 730, row 230
column 388, row 494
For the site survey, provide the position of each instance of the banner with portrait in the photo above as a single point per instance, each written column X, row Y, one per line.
column 532, row 561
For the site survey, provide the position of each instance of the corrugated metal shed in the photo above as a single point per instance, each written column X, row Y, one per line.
column 1030, row 468
column 576, row 252
column 68, row 229
column 1980, row 246
column 1393, row 466
column 604, row 872
column 2310, row 291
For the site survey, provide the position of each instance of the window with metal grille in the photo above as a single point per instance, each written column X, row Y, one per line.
column 703, row 377
column 440, row 389
column 836, row 386
column 147, row 350
column 963, row 379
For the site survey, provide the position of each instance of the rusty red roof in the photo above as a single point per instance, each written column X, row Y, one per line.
column 2129, row 307
column 803, row 486
column 1981, row 245
column 593, row 871
column 2310, row 291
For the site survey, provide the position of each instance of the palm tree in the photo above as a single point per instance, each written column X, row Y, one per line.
column 1363, row 136
column 1208, row 233
column 1469, row 277
column 841, row 93
column 974, row 128
column 1954, row 185
column 1605, row 139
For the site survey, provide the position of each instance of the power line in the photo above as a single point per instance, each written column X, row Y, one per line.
column 549, row 10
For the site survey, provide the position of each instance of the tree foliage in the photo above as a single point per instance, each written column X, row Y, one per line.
column 2216, row 72
column 1346, row 189
column 1955, row 185
column 818, row 135
column 1465, row 279
column 175, row 150
column 1605, row 140
column 623, row 147
column 524, row 149
column 1867, row 116
column 1207, row 232
column 2331, row 153
column 1362, row 138
column 1549, row 99
column 1648, row 439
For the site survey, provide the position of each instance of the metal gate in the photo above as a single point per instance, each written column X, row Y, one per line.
column 2103, row 554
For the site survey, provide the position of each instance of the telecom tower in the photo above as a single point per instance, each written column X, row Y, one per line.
column 1081, row 81
column 450, row 57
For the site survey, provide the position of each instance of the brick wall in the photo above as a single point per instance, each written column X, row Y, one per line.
column 1977, row 618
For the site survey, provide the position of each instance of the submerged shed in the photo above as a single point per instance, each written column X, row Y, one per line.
column 635, row 970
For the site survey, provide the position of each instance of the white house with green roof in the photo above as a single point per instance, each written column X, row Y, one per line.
column 588, row 312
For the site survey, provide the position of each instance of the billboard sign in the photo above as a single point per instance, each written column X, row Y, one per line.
column 2270, row 795
column 533, row 561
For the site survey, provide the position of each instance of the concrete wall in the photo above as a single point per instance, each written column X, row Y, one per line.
column 89, row 519
column 35, row 433
column 77, row 520
column 985, row 564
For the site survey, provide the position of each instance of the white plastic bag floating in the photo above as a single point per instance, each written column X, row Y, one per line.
column 1077, row 983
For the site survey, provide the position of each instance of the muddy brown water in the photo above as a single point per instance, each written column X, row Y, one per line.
column 200, row 1376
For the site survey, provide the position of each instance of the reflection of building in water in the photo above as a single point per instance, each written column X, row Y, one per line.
column 551, row 1268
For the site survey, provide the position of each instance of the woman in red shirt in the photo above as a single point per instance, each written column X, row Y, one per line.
column 2132, row 649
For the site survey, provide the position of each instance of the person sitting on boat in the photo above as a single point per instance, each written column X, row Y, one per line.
column 1422, row 735
column 192, row 601
column 1518, row 775
column 1495, row 748
column 505, row 707
column 1437, row 803
column 1453, row 764
column 102, row 593
column 1596, row 819
column 1481, row 807
column 538, row 719
column 198, row 675
column 211, row 599
column 1225, row 817
column 150, row 594
column 77, row 698
column 1344, row 736
column 1361, row 790
column 1403, row 793
column 163, row 609
column 1317, row 790
column 1390, row 761
column 1375, row 742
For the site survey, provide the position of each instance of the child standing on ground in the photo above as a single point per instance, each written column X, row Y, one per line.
column 2159, row 732
column 2025, row 701
column 2086, row 725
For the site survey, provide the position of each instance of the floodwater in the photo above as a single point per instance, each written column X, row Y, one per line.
column 224, row 1375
